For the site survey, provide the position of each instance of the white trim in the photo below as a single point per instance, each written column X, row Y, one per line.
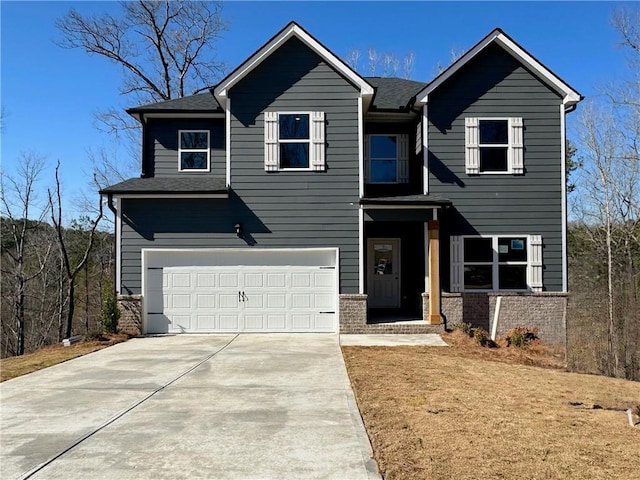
column 426, row 257
column 425, row 149
column 361, row 158
column 399, row 206
column 227, row 139
column 314, row 137
column 292, row 30
column 194, row 150
column 118, row 232
column 361, row 262
column 563, row 138
column 176, row 115
column 570, row 96
column 170, row 195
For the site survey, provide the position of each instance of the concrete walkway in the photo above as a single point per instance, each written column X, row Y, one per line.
column 188, row 407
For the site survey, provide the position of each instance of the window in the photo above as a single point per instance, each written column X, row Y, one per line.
column 496, row 263
column 494, row 145
column 294, row 141
column 387, row 158
column 193, row 150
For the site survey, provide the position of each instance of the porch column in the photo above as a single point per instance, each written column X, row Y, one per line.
column 434, row 273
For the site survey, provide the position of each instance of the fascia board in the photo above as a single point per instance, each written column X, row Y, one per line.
column 221, row 90
column 569, row 94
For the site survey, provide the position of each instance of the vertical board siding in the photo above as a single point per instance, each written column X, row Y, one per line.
column 162, row 145
column 276, row 209
column 496, row 85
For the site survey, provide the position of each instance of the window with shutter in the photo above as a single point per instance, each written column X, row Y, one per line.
column 294, row 141
column 494, row 145
column 387, row 158
column 496, row 263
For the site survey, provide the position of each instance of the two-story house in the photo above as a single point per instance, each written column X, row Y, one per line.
column 299, row 196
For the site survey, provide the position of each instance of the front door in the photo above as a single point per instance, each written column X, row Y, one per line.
column 383, row 272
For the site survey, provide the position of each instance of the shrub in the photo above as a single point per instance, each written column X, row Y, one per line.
column 110, row 314
column 521, row 337
column 464, row 327
column 482, row 337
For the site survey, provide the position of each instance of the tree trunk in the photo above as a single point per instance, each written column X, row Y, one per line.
column 71, row 293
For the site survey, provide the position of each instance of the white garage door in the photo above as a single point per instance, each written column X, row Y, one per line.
column 199, row 299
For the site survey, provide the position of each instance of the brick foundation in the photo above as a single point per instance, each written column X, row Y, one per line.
column 353, row 319
column 130, row 314
column 545, row 311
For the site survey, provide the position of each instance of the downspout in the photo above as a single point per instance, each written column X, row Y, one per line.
column 115, row 250
column 143, row 169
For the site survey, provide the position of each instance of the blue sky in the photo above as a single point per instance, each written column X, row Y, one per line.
column 49, row 94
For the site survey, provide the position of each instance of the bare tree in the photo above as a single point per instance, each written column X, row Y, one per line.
column 353, row 59
column 166, row 50
column 18, row 201
column 408, row 65
column 71, row 268
column 373, row 57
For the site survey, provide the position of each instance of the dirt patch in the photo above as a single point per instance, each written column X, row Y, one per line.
column 12, row 367
column 467, row 412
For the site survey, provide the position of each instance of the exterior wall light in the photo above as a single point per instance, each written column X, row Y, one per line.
column 238, row 227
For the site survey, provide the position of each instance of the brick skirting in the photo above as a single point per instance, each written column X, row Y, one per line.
column 353, row 319
column 130, row 314
column 545, row 311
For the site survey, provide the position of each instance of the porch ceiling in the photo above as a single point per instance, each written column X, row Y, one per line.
column 406, row 201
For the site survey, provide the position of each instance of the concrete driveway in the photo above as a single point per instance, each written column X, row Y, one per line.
column 188, row 406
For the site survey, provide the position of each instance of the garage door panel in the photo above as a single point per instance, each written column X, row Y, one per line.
column 206, row 300
column 229, row 280
column 180, row 301
column 206, row 323
column 207, row 280
column 229, row 322
column 180, row 323
column 259, row 298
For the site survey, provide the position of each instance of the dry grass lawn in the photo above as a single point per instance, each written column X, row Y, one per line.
column 12, row 367
column 467, row 412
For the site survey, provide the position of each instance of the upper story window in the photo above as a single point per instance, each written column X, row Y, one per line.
column 294, row 141
column 496, row 263
column 387, row 158
column 193, row 150
column 494, row 145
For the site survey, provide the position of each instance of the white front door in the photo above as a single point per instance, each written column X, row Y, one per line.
column 383, row 272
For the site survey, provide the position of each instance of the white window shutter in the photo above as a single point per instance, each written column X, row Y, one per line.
column 403, row 158
column 517, row 146
column 457, row 271
column 418, row 138
column 535, row 263
column 317, row 153
column 367, row 157
column 271, row 141
column 472, row 150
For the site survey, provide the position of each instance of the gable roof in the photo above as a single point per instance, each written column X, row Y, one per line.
column 393, row 93
column 291, row 30
column 497, row 36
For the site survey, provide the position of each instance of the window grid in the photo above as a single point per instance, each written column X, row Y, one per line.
column 495, row 263
column 205, row 150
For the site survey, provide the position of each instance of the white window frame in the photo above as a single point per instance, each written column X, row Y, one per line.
column 316, row 141
column 401, row 158
column 194, row 150
column 533, row 263
column 514, row 146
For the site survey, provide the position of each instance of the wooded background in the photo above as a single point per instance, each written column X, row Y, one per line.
column 56, row 276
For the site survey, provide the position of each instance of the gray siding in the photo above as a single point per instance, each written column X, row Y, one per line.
column 496, row 85
column 162, row 145
column 277, row 209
